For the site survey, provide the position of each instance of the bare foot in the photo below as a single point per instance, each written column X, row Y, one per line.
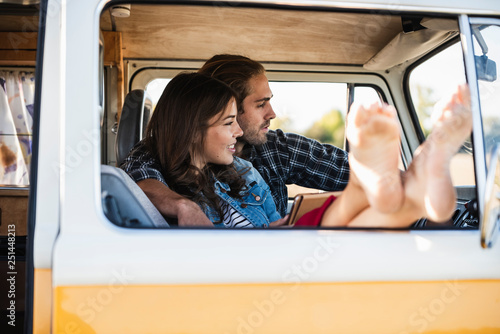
column 452, row 122
column 452, row 126
column 374, row 138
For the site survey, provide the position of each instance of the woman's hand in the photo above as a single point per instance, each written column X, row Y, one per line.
column 279, row 222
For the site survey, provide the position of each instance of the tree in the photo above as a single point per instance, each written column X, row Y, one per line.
column 282, row 122
column 424, row 105
column 329, row 129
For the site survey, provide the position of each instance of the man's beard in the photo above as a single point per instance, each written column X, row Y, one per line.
column 255, row 136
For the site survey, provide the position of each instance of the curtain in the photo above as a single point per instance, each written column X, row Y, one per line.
column 16, row 126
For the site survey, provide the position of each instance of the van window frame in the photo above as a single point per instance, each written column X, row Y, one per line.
column 141, row 73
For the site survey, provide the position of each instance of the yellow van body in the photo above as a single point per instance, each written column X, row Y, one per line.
column 85, row 274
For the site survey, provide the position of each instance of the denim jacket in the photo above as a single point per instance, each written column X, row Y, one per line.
column 257, row 204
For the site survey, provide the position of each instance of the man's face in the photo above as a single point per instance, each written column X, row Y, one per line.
column 258, row 113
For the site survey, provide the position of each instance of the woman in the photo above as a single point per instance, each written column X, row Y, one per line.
column 192, row 133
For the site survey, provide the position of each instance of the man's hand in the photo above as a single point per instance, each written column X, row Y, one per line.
column 171, row 204
column 189, row 214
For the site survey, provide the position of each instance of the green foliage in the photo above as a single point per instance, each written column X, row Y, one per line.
column 329, row 129
column 424, row 105
column 281, row 122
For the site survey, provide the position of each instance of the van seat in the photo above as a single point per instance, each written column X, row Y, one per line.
column 134, row 119
column 124, row 203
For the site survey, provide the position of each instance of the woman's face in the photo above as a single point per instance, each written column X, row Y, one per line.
column 221, row 137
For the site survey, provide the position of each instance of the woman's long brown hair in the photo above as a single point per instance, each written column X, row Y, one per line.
column 177, row 131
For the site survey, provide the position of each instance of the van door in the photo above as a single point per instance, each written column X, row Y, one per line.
column 111, row 279
column 481, row 59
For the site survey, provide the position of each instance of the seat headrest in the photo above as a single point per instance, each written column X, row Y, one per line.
column 136, row 113
column 124, row 203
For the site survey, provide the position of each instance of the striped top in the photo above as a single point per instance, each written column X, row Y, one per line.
column 232, row 218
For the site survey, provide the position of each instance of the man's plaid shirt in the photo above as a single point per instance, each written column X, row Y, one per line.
column 286, row 158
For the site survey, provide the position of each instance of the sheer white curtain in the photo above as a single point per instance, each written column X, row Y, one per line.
column 16, row 126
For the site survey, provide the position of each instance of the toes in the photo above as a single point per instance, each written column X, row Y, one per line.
column 361, row 114
column 389, row 110
column 358, row 115
column 463, row 94
column 457, row 105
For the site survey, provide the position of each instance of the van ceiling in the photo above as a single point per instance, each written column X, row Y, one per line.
column 271, row 35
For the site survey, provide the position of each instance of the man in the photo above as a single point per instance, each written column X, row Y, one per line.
column 280, row 158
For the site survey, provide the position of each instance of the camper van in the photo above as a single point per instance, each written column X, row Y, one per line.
column 81, row 247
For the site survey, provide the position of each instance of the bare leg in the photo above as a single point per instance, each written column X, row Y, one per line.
column 428, row 188
column 347, row 205
column 374, row 138
column 375, row 180
column 429, row 182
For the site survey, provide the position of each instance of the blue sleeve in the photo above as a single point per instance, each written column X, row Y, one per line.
column 270, row 207
column 253, row 175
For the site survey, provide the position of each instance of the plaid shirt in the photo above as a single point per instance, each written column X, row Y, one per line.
column 286, row 158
